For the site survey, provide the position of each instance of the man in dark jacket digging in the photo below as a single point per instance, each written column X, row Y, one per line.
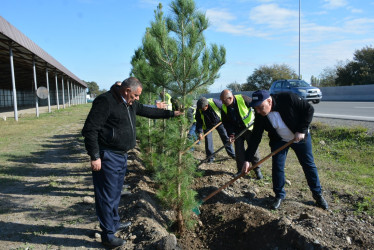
column 208, row 116
column 109, row 132
column 285, row 116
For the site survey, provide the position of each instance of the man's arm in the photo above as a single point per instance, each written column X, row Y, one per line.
column 257, row 132
column 94, row 122
column 153, row 113
column 199, row 123
column 303, row 111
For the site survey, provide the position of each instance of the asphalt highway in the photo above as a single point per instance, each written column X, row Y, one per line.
column 356, row 111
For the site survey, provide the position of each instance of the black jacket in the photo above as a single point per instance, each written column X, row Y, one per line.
column 296, row 113
column 111, row 123
column 232, row 120
column 210, row 117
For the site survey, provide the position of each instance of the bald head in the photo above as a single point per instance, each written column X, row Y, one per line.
column 226, row 97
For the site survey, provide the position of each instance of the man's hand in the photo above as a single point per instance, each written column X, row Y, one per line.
column 232, row 138
column 178, row 113
column 161, row 105
column 246, row 167
column 200, row 136
column 96, row 165
column 299, row 136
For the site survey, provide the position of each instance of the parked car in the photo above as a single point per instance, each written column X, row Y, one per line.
column 299, row 87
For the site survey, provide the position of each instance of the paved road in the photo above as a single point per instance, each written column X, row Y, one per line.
column 357, row 111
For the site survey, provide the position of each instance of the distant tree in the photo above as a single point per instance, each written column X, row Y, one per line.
column 264, row 76
column 328, row 75
column 93, row 89
column 314, row 81
column 235, row 87
column 359, row 71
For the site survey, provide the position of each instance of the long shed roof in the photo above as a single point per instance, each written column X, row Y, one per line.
column 25, row 48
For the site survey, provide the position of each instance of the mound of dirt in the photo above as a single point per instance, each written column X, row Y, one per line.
column 240, row 217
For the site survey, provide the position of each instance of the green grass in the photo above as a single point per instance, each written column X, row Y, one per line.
column 346, row 161
column 20, row 140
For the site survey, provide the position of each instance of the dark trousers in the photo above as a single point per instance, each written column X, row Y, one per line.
column 108, row 184
column 303, row 151
column 209, row 147
column 240, row 150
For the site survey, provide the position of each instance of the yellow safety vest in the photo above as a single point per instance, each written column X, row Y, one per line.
column 245, row 113
column 214, row 107
column 168, row 101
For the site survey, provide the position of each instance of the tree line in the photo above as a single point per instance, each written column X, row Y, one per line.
column 359, row 71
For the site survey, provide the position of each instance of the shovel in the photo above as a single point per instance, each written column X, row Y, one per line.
column 196, row 209
column 203, row 137
column 228, row 143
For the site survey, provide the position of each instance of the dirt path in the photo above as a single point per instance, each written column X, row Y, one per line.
column 46, row 209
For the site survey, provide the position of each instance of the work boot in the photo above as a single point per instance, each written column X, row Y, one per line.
column 237, row 173
column 211, row 160
column 113, row 242
column 320, row 201
column 258, row 173
column 276, row 204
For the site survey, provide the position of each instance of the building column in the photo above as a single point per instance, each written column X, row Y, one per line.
column 63, row 92
column 49, row 98
column 57, row 101
column 36, row 86
column 13, row 83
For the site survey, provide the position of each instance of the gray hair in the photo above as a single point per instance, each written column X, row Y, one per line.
column 202, row 102
column 132, row 83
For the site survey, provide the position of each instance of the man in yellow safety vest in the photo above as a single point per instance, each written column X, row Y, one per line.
column 237, row 114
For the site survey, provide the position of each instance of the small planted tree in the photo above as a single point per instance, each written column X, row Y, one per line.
column 175, row 49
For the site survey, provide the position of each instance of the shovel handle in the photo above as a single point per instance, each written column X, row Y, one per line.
column 203, row 137
column 254, row 166
column 228, row 143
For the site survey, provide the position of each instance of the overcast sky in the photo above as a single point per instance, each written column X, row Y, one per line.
column 95, row 39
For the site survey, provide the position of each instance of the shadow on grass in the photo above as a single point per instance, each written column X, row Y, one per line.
column 48, row 235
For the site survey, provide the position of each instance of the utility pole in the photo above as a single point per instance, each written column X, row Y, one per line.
column 299, row 40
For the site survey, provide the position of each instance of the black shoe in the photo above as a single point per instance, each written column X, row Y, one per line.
column 258, row 173
column 320, row 201
column 114, row 242
column 237, row 173
column 276, row 203
column 211, row 160
column 124, row 225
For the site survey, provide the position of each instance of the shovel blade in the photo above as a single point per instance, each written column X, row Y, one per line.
column 196, row 209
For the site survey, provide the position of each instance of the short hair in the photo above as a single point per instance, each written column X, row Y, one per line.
column 132, row 83
column 201, row 103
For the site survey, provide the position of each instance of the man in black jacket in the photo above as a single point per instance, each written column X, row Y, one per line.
column 208, row 116
column 109, row 132
column 285, row 116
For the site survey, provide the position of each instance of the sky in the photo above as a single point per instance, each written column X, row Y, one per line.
column 95, row 39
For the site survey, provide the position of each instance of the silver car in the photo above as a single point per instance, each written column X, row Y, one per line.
column 299, row 87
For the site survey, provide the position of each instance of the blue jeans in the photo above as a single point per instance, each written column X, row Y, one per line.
column 209, row 147
column 303, row 151
column 108, row 184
